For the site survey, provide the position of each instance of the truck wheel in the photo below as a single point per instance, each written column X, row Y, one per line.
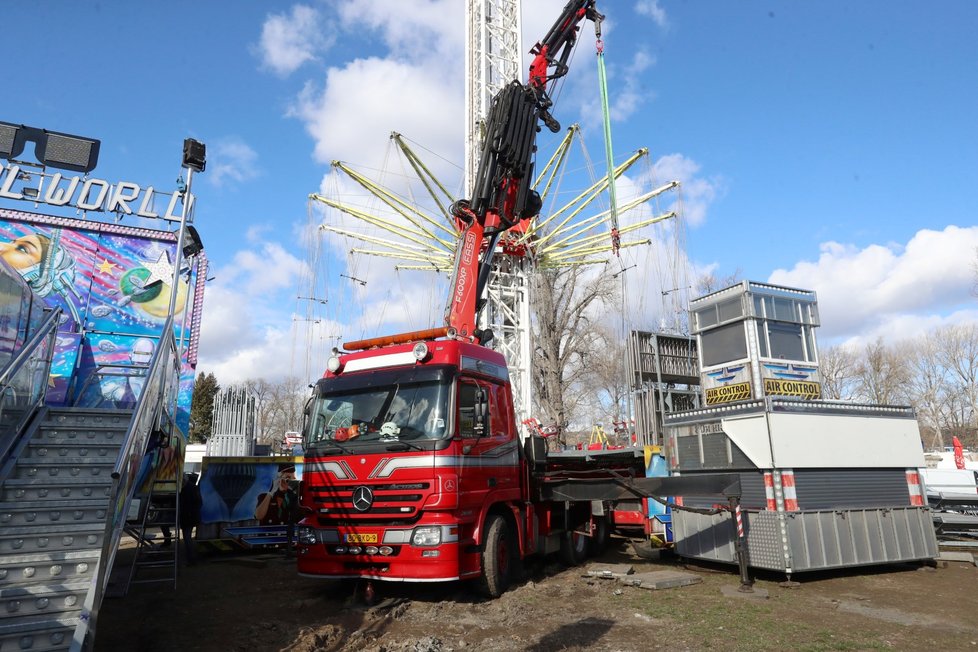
column 573, row 548
column 598, row 543
column 497, row 558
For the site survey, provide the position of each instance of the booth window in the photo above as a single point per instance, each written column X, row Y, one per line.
column 723, row 344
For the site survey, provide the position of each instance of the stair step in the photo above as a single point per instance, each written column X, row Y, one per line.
column 167, row 563
column 92, row 414
column 27, row 540
column 13, row 514
column 43, row 568
column 107, row 436
column 42, row 600
column 63, row 468
column 20, row 489
column 69, row 449
column 39, row 634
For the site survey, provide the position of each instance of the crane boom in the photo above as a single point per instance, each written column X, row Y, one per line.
column 501, row 197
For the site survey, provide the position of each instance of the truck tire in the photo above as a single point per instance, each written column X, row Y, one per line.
column 497, row 557
column 573, row 548
column 598, row 543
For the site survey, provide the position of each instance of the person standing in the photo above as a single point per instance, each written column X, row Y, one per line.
column 190, row 503
column 280, row 504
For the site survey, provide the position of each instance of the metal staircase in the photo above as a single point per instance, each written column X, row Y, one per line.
column 67, row 478
column 155, row 561
column 53, row 506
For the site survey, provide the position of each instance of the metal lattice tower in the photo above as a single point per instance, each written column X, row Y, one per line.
column 493, row 58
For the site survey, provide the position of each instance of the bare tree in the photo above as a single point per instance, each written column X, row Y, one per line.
column 927, row 387
column 710, row 282
column 279, row 407
column 957, row 349
column 881, row 378
column 262, row 391
column 839, row 369
column 564, row 338
column 286, row 402
column 604, row 390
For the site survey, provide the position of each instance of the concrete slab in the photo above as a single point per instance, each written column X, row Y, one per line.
column 731, row 591
column 609, row 571
column 665, row 579
column 951, row 555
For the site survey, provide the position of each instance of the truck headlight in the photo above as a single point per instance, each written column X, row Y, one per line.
column 420, row 351
column 307, row 536
column 426, row 536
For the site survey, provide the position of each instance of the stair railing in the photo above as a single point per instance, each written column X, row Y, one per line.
column 27, row 373
column 154, row 415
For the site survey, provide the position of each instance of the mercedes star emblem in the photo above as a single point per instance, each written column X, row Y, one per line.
column 363, row 498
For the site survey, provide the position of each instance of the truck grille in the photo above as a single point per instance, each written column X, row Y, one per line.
column 391, row 501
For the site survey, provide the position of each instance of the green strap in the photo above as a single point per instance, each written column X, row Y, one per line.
column 609, row 156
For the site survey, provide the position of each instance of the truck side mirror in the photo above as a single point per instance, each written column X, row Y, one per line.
column 307, row 419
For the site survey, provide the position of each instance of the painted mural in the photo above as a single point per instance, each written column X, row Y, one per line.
column 249, row 489
column 114, row 284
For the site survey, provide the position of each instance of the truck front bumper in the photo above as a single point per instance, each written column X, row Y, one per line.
column 419, row 554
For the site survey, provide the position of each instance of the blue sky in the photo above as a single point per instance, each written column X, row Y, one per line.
column 828, row 145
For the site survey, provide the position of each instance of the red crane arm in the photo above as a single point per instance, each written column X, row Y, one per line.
column 501, row 196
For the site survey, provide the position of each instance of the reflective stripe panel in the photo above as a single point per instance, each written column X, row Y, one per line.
column 772, row 504
column 788, row 487
column 913, row 484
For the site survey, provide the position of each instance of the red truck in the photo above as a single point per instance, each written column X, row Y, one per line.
column 414, row 471
column 414, row 465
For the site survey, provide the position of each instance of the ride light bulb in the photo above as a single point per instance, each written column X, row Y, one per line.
column 333, row 364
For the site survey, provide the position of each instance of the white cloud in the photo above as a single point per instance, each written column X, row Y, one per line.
column 417, row 31
column 652, row 9
column 894, row 291
column 698, row 192
column 256, row 232
column 245, row 307
column 268, row 269
column 369, row 98
column 232, row 160
column 289, row 40
column 625, row 90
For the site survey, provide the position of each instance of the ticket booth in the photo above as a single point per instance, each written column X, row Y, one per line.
column 756, row 340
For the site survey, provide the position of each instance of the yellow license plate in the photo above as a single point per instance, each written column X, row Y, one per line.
column 361, row 538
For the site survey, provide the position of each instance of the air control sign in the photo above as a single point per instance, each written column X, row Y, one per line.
column 805, row 389
column 728, row 393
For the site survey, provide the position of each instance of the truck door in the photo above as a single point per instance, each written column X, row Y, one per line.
column 489, row 458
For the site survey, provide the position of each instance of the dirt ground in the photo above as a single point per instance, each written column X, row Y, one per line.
column 257, row 602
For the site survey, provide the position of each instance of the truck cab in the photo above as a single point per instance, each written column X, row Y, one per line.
column 407, row 450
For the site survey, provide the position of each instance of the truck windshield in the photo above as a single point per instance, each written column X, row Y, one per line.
column 385, row 413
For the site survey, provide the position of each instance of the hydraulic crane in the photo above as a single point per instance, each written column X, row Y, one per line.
column 501, row 197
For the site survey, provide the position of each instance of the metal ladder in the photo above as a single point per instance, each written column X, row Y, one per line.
column 155, row 561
